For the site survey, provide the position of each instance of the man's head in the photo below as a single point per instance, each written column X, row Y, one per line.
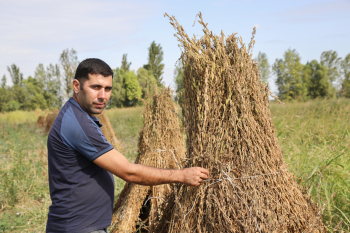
column 92, row 85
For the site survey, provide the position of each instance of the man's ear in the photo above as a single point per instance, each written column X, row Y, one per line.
column 76, row 86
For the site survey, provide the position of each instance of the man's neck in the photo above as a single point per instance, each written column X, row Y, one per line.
column 76, row 100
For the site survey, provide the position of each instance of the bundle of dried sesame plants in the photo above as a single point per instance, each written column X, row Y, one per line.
column 229, row 131
column 160, row 145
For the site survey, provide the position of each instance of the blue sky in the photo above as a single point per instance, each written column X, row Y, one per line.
column 37, row 31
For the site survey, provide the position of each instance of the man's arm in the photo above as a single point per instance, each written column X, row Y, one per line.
column 116, row 163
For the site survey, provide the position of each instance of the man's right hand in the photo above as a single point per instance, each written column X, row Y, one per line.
column 194, row 176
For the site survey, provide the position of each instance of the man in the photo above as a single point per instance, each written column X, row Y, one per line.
column 81, row 160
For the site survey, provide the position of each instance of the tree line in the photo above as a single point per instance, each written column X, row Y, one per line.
column 327, row 78
column 51, row 85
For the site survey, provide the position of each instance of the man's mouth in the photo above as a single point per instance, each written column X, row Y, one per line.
column 100, row 105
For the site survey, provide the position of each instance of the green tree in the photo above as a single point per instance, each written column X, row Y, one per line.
column 264, row 67
column 15, row 74
column 345, row 70
column 16, row 98
column 132, row 88
column 53, row 86
column 118, row 95
column 4, row 98
column 16, row 94
column 289, row 77
column 178, row 79
column 147, row 81
column 331, row 60
column 125, row 64
column 315, row 76
column 3, row 81
column 49, row 81
column 34, row 95
column 69, row 63
column 155, row 65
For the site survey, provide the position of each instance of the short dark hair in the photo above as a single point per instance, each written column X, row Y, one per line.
column 92, row 66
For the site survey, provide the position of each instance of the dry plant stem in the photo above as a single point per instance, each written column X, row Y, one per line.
column 227, row 119
column 160, row 145
column 108, row 132
column 48, row 120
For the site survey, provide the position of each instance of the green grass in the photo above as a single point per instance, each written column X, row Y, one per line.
column 24, row 196
column 315, row 140
column 20, row 116
column 314, row 137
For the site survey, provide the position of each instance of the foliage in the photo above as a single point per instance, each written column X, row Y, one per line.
column 132, row 88
column 15, row 74
column 317, row 81
column 118, row 95
column 42, row 91
column 345, row 65
column 147, row 81
column 34, row 95
column 12, row 98
column 331, row 60
column 155, row 65
column 3, row 81
column 264, row 67
column 289, row 77
column 50, row 83
column 294, row 81
column 69, row 63
column 125, row 64
column 126, row 89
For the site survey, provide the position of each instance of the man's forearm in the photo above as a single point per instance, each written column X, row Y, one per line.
column 145, row 175
column 117, row 164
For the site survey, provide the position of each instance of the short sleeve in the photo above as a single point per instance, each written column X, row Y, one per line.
column 79, row 132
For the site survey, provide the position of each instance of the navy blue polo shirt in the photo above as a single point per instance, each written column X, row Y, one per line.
column 82, row 193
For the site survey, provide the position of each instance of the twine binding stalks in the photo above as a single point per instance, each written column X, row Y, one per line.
column 138, row 206
column 229, row 131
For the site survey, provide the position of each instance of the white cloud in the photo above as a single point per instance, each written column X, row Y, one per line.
column 256, row 26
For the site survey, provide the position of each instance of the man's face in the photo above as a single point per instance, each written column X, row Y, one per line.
column 95, row 93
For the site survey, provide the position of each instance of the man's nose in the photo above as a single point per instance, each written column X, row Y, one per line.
column 101, row 94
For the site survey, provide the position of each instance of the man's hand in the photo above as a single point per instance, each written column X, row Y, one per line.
column 194, row 176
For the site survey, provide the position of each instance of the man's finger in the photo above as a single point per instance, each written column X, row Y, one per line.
column 203, row 176
column 205, row 171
